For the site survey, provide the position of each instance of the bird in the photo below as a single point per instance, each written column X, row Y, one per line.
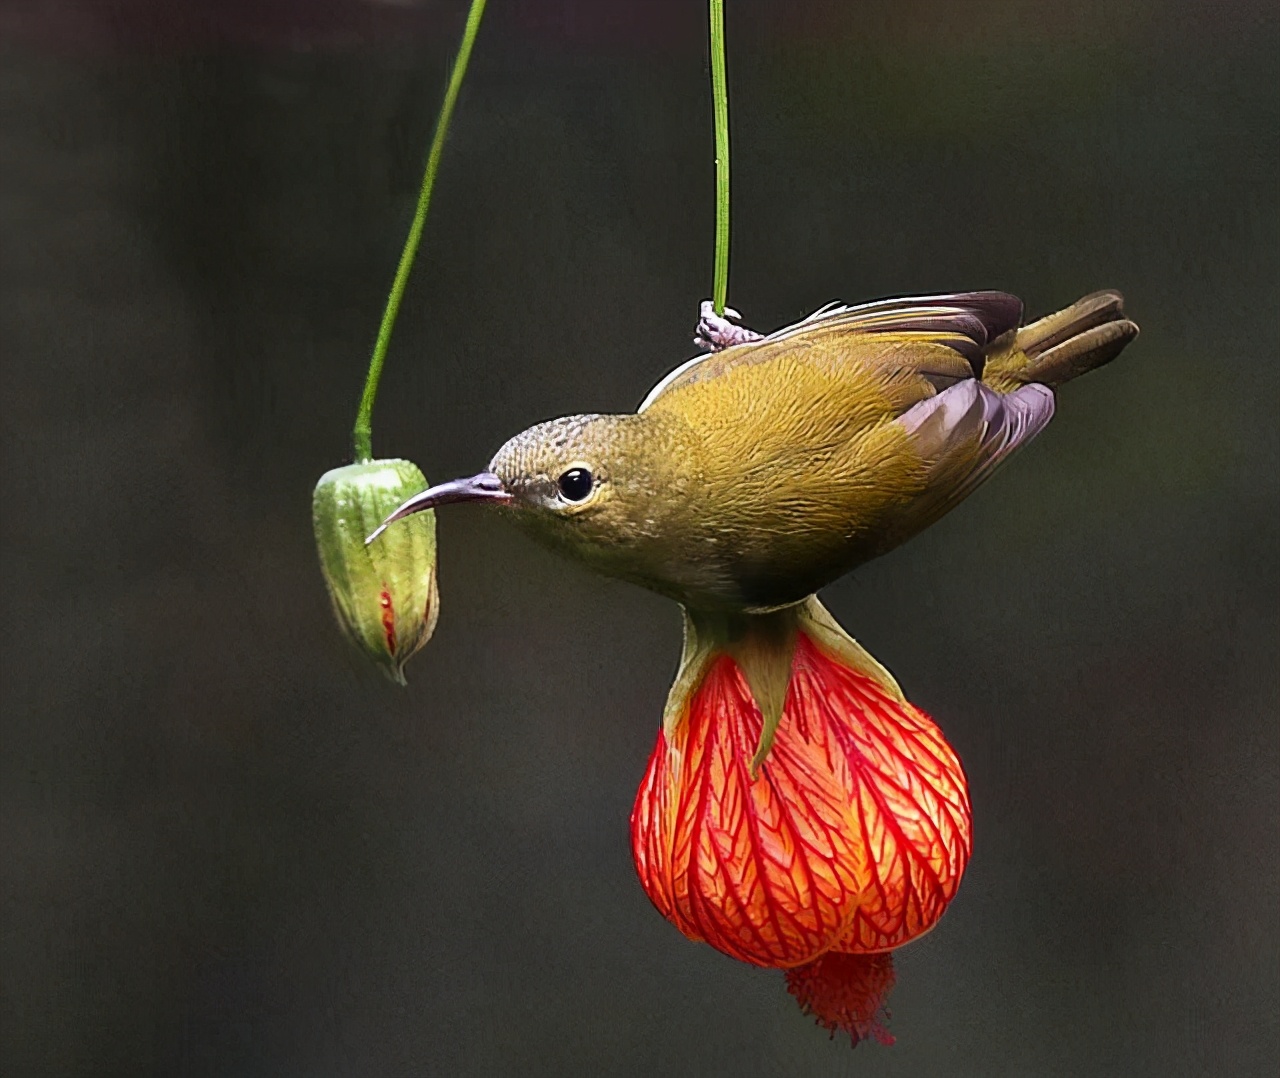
column 798, row 812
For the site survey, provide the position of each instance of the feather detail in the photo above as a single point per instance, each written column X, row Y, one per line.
column 1081, row 354
column 964, row 434
column 964, row 322
column 1095, row 309
column 1063, row 345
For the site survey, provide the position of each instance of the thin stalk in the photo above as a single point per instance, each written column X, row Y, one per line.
column 362, row 435
column 720, row 104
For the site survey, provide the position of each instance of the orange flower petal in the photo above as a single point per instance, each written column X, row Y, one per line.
column 854, row 836
column 764, row 871
column 909, row 798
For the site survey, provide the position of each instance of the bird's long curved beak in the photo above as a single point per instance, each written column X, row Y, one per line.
column 485, row 487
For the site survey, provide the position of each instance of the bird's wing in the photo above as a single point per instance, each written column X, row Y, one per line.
column 963, row 435
column 963, row 323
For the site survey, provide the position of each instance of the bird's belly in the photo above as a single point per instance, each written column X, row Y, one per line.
column 778, row 575
column 743, row 573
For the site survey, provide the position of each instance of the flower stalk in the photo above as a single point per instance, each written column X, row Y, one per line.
column 720, row 110
column 362, row 434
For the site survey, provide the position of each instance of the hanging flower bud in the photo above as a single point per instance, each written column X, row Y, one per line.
column 384, row 594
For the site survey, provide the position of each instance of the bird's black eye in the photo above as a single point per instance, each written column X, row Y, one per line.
column 575, row 484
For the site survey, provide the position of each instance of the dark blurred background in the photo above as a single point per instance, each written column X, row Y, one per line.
column 229, row 848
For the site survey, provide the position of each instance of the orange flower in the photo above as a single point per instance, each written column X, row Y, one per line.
column 849, row 842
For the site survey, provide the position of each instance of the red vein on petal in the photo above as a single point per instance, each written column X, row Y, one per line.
column 908, row 797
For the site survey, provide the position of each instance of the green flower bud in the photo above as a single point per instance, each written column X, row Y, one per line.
column 385, row 594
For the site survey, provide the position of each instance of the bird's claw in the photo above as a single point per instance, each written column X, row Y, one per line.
column 716, row 331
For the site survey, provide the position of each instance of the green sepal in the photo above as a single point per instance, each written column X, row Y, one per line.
column 816, row 622
column 763, row 646
column 695, row 658
column 385, row 595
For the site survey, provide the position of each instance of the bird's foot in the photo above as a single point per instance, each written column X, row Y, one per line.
column 716, row 331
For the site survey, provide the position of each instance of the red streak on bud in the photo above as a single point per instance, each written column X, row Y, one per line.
column 388, row 620
column 846, row 993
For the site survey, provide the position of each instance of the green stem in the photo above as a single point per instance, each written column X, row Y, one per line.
column 362, row 435
column 720, row 102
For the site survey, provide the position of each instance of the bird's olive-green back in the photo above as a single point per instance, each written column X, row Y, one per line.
column 804, row 470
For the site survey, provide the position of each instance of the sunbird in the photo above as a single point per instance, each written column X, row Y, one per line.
column 797, row 811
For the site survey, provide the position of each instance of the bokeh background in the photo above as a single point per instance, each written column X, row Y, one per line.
column 230, row 849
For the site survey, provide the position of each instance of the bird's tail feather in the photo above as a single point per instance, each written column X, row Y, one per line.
column 1059, row 347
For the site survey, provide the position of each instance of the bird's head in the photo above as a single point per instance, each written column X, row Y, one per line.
column 599, row 487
